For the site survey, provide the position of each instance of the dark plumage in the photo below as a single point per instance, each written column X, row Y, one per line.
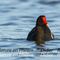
column 41, row 32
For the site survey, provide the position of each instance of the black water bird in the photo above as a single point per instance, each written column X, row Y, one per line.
column 41, row 32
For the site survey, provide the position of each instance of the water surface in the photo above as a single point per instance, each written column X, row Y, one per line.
column 18, row 17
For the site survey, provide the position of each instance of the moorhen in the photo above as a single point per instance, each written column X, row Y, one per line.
column 41, row 32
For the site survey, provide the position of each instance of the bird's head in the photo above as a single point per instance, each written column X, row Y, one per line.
column 41, row 21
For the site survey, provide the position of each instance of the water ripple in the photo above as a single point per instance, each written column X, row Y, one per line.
column 49, row 2
column 13, row 18
column 26, row 17
column 8, row 24
column 23, row 0
column 13, row 39
column 4, row 11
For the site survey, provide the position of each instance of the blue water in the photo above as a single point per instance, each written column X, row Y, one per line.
column 18, row 17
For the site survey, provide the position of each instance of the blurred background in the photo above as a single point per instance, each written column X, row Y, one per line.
column 18, row 17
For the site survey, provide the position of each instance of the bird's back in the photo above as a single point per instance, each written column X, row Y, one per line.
column 36, row 34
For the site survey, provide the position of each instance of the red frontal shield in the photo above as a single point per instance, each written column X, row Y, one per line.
column 44, row 20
